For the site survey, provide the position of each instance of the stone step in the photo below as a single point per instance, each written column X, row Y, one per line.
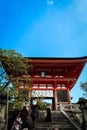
column 54, row 129
column 59, row 122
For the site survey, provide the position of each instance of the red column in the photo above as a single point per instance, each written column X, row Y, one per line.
column 69, row 98
column 68, row 94
column 55, row 98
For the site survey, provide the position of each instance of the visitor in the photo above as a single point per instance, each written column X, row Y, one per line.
column 34, row 115
column 24, row 117
column 48, row 117
column 34, row 102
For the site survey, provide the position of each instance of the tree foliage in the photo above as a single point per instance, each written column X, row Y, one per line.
column 41, row 104
column 83, row 86
column 14, row 70
column 14, row 63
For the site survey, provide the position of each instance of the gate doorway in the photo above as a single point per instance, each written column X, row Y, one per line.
column 48, row 102
column 43, row 103
column 44, row 98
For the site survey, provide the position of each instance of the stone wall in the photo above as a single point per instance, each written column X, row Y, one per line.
column 2, row 115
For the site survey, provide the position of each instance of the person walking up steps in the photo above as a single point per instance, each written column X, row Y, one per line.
column 48, row 117
column 34, row 115
column 24, row 117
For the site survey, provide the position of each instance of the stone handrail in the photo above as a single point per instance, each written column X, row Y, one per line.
column 73, row 123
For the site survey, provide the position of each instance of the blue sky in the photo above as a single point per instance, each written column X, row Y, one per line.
column 46, row 28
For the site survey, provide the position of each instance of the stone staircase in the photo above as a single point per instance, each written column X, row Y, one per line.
column 59, row 122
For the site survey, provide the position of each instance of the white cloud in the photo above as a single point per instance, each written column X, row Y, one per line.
column 50, row 2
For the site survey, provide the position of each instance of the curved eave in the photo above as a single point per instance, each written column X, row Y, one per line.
column 57, row 60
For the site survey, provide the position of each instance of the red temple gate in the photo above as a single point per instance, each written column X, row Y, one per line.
column 53, row 78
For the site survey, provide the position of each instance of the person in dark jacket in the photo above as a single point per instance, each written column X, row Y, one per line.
column 24, row 116
column 34, row 115
column 48, row 117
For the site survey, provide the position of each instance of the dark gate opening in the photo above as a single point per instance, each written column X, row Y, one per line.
column 62, row 96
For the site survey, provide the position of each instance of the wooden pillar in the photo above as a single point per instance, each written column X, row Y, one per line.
column 29, row 94
column 69, row 98
column 55, row 98
column 30, row 102
column 68, row 95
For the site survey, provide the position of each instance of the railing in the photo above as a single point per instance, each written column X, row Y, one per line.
column 72, row 122
column 65, row 109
